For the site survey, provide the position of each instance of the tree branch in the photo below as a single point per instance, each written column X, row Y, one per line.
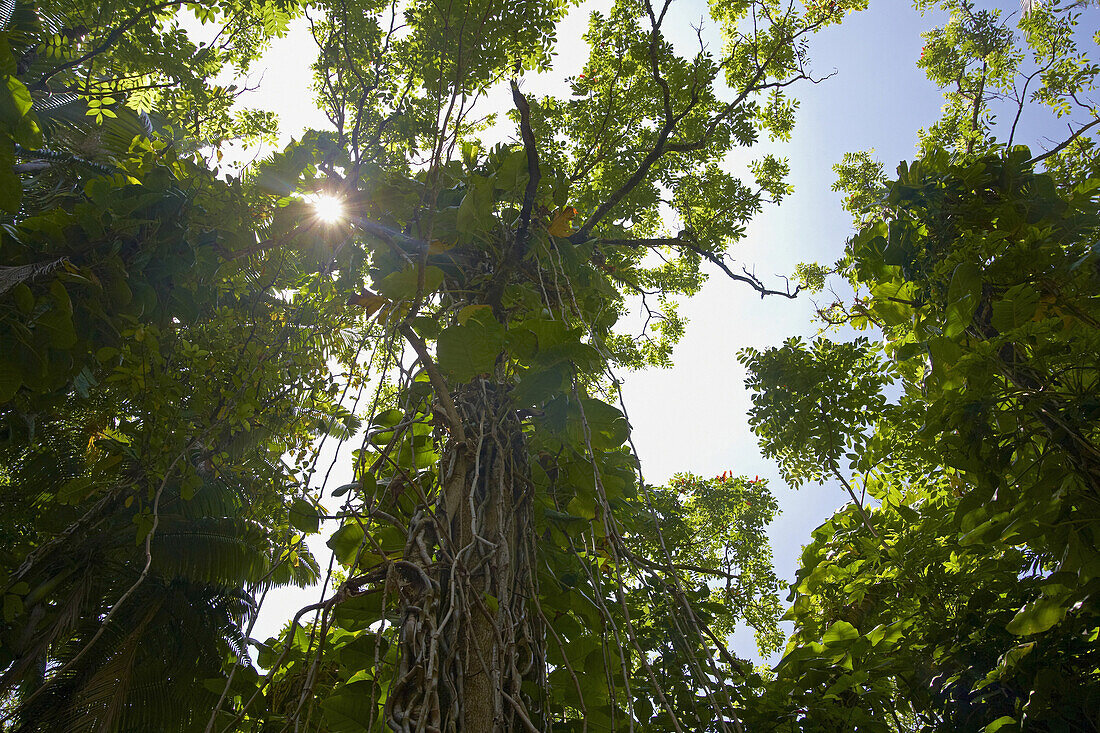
column 1065, row 144
column 109, row 41
column 437, row 382
column 533, row 173
column 747, row 277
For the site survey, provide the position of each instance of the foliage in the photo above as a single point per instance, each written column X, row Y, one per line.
column 997, row 81
column 957, row 591
column 180, row 342
column 985, row 67
column 912, row 631
column 152, row 385
column 964, row 597
column 155, row 370
column 860, row 177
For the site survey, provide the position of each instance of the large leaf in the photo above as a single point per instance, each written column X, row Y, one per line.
column 303, row 516
column 466, row 350
column 11, row 188
column 1016, row 308
column 403, row 285
column 999, row 723
column 475, row 212
column 839, row 632
column 15, row 101
column 607, row 426
column 349, row 708
column 346, row 541
column 963, row 295
column 1038, row 616
column 11, row 378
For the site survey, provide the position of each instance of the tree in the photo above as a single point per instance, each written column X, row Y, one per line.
column 489, row 536
column 965, row 599
column 154, row 370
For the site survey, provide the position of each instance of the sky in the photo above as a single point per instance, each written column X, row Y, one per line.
column 692, row 417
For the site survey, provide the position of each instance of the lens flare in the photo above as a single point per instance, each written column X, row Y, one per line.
column 327, row 208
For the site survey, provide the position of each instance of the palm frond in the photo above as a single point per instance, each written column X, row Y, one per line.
column 12, row 276
column 7, row 9
column 230, row 552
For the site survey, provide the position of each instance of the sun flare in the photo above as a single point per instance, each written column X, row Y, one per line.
column 327, row 208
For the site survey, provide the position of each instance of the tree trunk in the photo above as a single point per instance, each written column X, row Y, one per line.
column 467, row 645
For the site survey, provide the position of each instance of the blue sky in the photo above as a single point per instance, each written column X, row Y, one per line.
column 693, row 417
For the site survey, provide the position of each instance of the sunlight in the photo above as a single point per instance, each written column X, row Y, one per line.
column 327, row 208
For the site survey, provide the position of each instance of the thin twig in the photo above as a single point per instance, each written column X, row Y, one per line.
column 674, row 242
column 109, row 41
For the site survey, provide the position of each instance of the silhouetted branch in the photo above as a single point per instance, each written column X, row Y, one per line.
column 718, row 260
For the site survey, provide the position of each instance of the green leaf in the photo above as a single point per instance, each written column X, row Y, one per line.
column 1013, row 656
column 11, row 379
column 343, row 489
column 999, row 723
column 521, row 344
column 58, row 320
column 23, row 297
column 59, row 328
column 426, row 327
column 464, row 351
column 1037, row 616
column 8, row 67
column 538, row 385
column 886, row 304
column 349, row 708
column 346, row 541
column 840, row 631
column 388, row 418
column 475, row 212
column 15, row 101
column 76, row 490
column 607, row 425
column 513, row 174
column 358, row 654
column 563, row 517
column 282, row 172
column 887, row 634
column 303, row 516
column 963, row 295
column 358, row 612
column 477, row 311
column 549, row 333
column 910, row 350
column 403, row 285
column 1016, row 308
column 11, row 188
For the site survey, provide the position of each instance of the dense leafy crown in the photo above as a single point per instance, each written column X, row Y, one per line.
column 958, row 591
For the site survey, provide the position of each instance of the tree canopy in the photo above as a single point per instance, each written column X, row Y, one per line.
column 188, row 352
